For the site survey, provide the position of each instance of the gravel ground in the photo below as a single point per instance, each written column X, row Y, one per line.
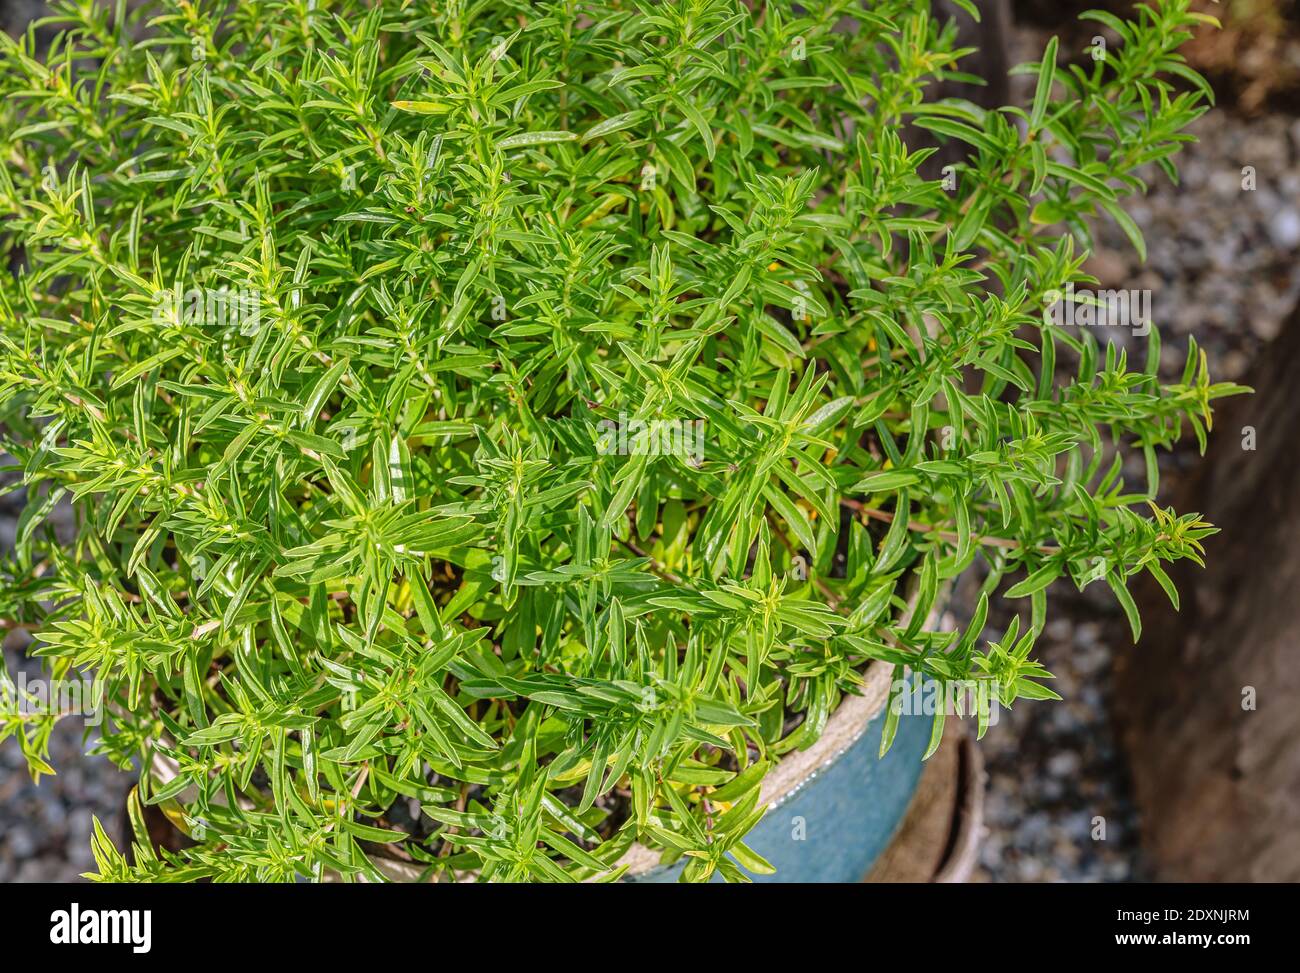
column 45, row 830
column 1223, row 267
column 1057, row 804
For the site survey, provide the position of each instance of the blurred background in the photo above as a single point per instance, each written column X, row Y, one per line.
column 1181, row 747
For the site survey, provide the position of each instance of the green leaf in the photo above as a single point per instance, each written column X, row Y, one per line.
column 1043, row 87
column 1037, row 581
column 617, row 123
column 1126, row 602
column 529, row 139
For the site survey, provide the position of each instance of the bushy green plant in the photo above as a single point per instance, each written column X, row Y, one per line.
column 336, row 321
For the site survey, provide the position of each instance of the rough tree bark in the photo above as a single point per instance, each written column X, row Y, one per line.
column 1217, row 781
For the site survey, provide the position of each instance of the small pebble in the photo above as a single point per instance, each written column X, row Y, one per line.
column 1284, row 229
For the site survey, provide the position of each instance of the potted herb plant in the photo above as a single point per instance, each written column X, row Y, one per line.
column 519, row 441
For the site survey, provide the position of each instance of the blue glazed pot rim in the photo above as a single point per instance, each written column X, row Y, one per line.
column 798, row 769
column 844, row 727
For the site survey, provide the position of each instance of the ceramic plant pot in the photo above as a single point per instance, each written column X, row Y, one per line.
column 833, row 807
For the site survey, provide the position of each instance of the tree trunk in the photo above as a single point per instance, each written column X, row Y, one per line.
column 1209, row 699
